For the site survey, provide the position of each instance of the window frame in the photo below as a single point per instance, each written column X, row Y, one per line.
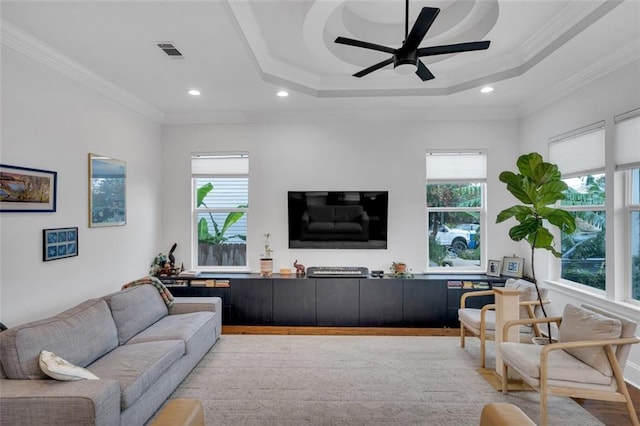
column 629, row 209
column 195, row 212
column 482, row 210
column 584, row 208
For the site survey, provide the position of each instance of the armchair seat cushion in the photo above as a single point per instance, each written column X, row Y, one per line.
column 471, row 318
column 562, row 366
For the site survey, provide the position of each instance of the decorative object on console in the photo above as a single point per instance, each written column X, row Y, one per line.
column 107, row 191
column 537, row 185
column 27, row 190
column 494, row 268
column 59, row 243
column 399, row 270
column 266, row 261
column 512, row 266
column 300, row 271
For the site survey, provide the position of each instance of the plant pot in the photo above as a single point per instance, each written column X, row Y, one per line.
column 400, row 268
column 266, row 267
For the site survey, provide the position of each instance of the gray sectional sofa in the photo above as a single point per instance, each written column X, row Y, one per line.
column 139, row 348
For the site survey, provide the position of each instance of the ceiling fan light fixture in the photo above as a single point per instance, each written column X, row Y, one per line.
column 406, row 68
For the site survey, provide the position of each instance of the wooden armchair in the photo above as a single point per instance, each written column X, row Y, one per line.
column 481, row 323
column 587, row 362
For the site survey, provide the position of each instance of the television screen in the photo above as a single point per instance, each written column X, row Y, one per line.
column 338, row 219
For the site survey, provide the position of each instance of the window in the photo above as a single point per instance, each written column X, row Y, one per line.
column 455, row 204
column 580, row 157
column 220, row 208
column 634, row 232
column 628, row 162
column 584, row 250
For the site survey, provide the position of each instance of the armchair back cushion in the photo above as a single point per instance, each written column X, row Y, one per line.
column 579, row 324
column 80, row 335
column 529, row 294
column 135, row 309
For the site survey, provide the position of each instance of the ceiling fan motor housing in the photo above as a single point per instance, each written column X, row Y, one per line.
column 405, row 57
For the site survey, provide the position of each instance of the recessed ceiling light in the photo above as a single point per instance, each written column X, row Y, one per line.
column 487, row 89
column 194, row 92
column 283, row 93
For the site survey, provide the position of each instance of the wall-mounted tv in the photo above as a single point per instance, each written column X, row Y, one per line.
column 338, row 219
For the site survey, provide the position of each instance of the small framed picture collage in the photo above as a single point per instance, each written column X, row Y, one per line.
column 59, row 243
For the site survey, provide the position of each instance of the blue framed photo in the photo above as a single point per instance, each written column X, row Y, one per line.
column 59, row 243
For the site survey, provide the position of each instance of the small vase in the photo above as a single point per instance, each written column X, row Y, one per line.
column 400, row 268
column 266, row 267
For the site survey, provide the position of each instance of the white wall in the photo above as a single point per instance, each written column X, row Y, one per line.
column 336, row 156
column 613, row 94
column 52, row 122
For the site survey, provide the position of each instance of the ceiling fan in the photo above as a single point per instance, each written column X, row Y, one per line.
column 407, row 57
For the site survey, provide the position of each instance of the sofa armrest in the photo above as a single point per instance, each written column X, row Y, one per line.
column 38, row 402
column 186, row 305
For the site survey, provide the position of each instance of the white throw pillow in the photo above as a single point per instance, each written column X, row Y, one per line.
column 57, row 368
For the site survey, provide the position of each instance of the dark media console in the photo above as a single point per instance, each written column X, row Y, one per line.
column 423, row 301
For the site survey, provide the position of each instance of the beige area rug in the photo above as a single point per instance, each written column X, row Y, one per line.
column 353, row 380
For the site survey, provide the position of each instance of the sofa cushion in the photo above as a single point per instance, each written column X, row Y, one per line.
column 60, row 369
column 348, row 227
column 135, row 309
column 321, row 213
column 137, row 366
column 177, row 327
column 581, row 324
column 348, row 213
column 80, row 335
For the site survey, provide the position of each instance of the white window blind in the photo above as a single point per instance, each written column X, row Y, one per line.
column 628, row 140
column 220, row 164
column 579, row 151
column 461, row 166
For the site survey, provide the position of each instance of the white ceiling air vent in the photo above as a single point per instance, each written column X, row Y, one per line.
column 168, row 48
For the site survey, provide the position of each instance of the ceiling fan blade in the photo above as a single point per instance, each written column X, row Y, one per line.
column 420, row 28
column 373, row 68
column 364, row 44
column 423, row 72
column 453, row 48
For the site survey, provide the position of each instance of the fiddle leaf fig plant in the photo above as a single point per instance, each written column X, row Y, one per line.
column 537, row 186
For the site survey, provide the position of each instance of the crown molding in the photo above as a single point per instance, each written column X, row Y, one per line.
column 24, row 43
column 622, row 57
column 345, row 116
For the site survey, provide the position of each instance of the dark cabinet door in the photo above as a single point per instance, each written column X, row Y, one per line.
column 294, row 301
column 425, row 303
column 251, row 301
column 381, row 302
column 221, row 292
column 337, row 301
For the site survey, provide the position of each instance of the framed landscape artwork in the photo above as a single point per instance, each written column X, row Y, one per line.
column 23, row 189
column 512, row 266
column 59, row 243
column 107, row 191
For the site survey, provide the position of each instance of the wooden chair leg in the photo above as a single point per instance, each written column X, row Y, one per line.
column 505, row 377
column 461, row 335
column 482, row 351
column 622, row 385
column 543, row 406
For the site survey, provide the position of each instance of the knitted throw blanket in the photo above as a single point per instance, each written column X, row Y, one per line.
column 164, row 292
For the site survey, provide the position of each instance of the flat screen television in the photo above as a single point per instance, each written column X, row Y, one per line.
column 338, row 219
